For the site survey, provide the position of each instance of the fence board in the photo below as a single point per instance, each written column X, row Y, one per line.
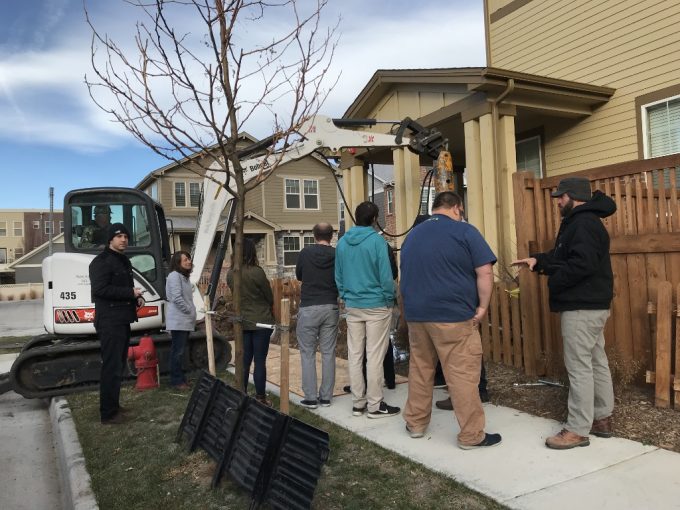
column 676, row 381
column 651, row 209
column 662, row 389
column 495, row 323
column 504, row 303
column 639, row 206
column 663, row 214
column 516, row 332
column 637, row 282
column 486, row 336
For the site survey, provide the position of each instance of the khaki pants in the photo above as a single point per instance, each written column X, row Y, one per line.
column 459, row 348
column 369, row 327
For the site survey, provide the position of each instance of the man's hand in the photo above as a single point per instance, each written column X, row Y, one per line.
column 530, row 262
column 479, row 315
column 138, row 292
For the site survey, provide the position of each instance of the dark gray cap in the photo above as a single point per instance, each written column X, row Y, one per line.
column 577, row 188
column 116, row 229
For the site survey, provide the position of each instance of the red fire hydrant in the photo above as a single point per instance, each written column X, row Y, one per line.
column 146, row 363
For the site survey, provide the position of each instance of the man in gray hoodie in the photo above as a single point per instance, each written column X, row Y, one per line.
column 317, row 320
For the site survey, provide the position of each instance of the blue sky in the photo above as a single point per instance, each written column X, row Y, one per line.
column 52, row 134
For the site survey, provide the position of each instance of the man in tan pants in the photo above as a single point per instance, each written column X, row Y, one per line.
column 446, row 282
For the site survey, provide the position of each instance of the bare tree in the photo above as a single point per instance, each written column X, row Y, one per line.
column 187, row 93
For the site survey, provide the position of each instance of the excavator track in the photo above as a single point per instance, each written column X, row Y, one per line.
column 50, row 366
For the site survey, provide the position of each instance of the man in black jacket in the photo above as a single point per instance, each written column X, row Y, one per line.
column 116, row 301
column 317, row 318
column 580, row 284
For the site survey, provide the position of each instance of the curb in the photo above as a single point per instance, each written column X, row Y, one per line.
column 75, row 480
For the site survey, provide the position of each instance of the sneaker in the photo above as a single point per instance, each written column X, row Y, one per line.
column 414, row 435
column 262, row 399
column 358, row 411
column 324, row 402
column 565, row 440
column 602, row 427
column 309, row 404
column 489, row 440
column 384, row 411
column 117, row 419
column 444, row 404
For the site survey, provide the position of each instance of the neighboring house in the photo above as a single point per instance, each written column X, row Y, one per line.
column 280, row 212
column 567, row 87
column 22, row 230
column 28, row 269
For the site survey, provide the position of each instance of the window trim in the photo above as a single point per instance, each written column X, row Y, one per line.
column 541, row 153
column 301, row 194
column 644, row 115
column 284, row 251
column 187, row 193
column 3, row 229
column 48, row 227
column 36, row 224
column 652, row 97
column 389, row 199
column 21, row 228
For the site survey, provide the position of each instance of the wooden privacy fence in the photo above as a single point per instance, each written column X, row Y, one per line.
column 666, row 314
column 645, row 250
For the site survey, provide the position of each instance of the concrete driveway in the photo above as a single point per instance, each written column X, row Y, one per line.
column 21, row 318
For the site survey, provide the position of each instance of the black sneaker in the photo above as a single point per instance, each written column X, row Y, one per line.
column 484, row 396
column 489, row 440
column 347, row 389
column 324, row 402
column 358, row 411
column 384, row 411
column 309, row 404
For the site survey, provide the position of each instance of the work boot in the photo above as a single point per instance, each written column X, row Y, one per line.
column 262, row 399
column 566, row 440
column 117, row 419
column 602, row 427
column 444, row 404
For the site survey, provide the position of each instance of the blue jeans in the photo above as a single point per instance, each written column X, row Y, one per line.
column 179, row 341
column 255, row 346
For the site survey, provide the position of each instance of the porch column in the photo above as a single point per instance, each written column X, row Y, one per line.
column 507, row 162
column 347, row 191
column 406, row 189
column 489, row 183
column 357, row 186
column 474, row 209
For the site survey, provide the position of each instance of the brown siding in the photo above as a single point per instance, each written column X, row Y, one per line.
column 629, row 45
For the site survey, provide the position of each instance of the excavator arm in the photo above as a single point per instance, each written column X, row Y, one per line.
column 319, row 133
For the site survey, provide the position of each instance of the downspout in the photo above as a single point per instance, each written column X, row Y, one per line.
column 494, row 121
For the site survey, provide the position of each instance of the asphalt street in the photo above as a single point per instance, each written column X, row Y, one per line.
column 21, row 318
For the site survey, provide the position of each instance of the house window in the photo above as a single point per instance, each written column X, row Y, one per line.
column 390, row 201
column 36, row 224
column 3, row 255
column 194, row 194
column 292, row 193
column 18, row 253
column 180, row 194
column 18, row 229
column 528, row 156
column 48, row 227
column 302, row 197
column 152, row 191
column 661, row 124
column 311, row 194
column 426, row 200
column 307, row 241
column 3, row 229
column 291, row 249
column 61, row 227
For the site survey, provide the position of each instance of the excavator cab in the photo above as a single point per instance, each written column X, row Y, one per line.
column 88, row 213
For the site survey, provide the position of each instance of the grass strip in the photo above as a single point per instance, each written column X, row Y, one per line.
column 138, row 466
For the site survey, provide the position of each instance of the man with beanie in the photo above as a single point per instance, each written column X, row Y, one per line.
column 317, row 318
column 364, row 279
column 116, row 301
column 580, row 285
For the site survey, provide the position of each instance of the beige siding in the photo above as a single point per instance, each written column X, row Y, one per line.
column 166, row 193
column 416, row 101
column 274, row 193
column 629, row 45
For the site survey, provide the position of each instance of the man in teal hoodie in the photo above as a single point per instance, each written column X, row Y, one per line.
column 363, row 276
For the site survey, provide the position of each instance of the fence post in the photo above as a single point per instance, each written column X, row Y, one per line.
column 664, row 306
column 285, row 335
column 524, row 187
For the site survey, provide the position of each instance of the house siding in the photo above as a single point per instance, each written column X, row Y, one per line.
column 628, row 45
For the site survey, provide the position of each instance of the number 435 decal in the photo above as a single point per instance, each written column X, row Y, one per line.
column 67, row 295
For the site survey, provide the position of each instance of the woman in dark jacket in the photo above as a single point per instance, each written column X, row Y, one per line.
column 257, row 300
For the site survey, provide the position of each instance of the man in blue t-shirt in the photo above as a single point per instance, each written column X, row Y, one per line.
column 446, row 283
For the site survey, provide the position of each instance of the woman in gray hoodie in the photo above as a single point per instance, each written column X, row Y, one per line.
column 181, row 314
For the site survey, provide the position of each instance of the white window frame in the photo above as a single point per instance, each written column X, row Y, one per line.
column 541, row 170
column 48, row 227
column 390, row 201
column 3, row 229
column 36, row 224
column 644, row 115
column 18, row 253
column 3, row 256
column 301, row 181
column 299, row 242
column 20, row 228
column 187, row 194
column 61, row 227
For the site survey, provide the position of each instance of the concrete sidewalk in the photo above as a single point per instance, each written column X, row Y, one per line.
column 521, row 472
